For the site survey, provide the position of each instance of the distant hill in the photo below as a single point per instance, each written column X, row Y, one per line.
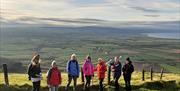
column 55, row 38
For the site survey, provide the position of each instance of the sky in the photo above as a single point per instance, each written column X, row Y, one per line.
column 115, row 10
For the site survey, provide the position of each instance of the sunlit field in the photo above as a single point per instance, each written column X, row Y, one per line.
column 170, row 82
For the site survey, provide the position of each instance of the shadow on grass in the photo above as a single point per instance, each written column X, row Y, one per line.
column 155, row 85
column 160, row 85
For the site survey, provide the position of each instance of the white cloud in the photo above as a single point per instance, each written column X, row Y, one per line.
column 103, row 9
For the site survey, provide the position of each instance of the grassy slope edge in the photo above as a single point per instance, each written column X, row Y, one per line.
column 170, row 82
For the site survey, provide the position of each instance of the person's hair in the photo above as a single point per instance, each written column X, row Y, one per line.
column 35, row 57
column 73, row 57
column 53, row 62
column 88, row 57
column 100, row 59
column 116, row 57
column 129, row 60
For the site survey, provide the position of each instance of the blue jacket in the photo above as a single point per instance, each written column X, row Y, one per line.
column 72, row 68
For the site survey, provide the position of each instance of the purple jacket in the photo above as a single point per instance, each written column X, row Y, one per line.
column 88, row 68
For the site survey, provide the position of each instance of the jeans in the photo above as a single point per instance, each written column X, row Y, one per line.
column 127, row 79
column 101, row 84
column 88, row 83
column 116, row 83
column 69, row 82
column 36, row 86
column 53, row 88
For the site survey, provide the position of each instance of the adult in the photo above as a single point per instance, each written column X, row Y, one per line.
column 128, row 69
column 88, row 71
column 73, row 71
column 116, row 69
column 34, row 72
column 101, row 69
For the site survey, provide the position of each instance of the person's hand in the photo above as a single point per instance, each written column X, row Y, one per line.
column 37, row 75
column 40, row 74
column 29, row 78
column 48, row 85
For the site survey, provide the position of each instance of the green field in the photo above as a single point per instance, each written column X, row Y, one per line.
column 170, row 82
column 18, row 45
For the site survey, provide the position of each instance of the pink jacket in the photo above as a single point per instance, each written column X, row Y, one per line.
column 88, row 68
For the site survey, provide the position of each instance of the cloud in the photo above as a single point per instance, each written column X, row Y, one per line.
column 162, row 6
column 37, row 19
column 120, row 10
column 145, row 9
column 152, row 15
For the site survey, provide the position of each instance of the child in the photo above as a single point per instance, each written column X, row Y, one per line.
column 53, row 77
column 88, row 70
column 101, row 69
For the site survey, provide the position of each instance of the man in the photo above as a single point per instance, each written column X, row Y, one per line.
column 127, row 69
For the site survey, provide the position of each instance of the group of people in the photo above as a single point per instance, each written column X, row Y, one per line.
column 54, row 75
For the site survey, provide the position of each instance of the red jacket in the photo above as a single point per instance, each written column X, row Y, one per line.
column 54, row 77
column 101, row 69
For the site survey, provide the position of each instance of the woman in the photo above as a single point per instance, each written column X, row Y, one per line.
column 34, row 72
column 101, row 69
column 127, row 69
column 73, row 71
column 53, row 77
column 88, row 71
column 116, row 69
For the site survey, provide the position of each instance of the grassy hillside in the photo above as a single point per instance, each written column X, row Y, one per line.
column 170, row 82
column 19, row 43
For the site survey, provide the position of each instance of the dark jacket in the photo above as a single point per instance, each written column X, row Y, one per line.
column 128, row 69
column 34, row 71
column 117, row 70
column 72, row 68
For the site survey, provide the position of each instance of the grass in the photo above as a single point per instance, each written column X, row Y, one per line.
column 170, row 82
column 18, row 45
column 171, row 68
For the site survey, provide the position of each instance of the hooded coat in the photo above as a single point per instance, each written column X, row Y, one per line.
column 101, row 69
column 54, row 76
column 88, row 68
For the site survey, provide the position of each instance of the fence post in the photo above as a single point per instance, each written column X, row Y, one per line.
column 5, row 70
column 143, row 71
column 151, row 72
column 109, row 74
column 162, row 71
column 82, row 75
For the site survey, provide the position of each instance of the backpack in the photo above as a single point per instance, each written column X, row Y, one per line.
column 76, row 64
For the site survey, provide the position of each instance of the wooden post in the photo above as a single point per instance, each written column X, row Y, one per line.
column 109, row 74
column 151, row 72
column 162, row 71
column 143, row 71
column 5, row 70
column 82, row 75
